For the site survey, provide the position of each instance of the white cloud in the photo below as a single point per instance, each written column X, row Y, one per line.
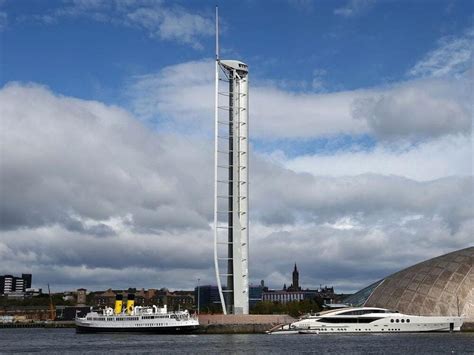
column 340, row 257
column 293, row 198
column 417, row 109
column 303, row 5
column 158, row 19
column 452, row 56
column 172, row 24
column 67, row 158
column 3, row 20
column 91, row 197
column 354, row 8
column 69, row 259
column 447, row 156
column 181, row 96
column 318, row 82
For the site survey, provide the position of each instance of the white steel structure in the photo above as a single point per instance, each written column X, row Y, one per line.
column 231, row 226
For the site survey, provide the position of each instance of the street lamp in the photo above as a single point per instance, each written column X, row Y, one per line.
column 198, row 295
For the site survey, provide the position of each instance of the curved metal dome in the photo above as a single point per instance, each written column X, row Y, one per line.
column 440, row 286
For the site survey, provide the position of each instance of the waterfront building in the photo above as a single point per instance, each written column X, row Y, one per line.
column 26, row 313
column 255, row 294
column 68, row 313
column 6, row 284
column 27, row 280
column 442, row 286
column 283, row 296
column 173, row 300
column 81, row 296
column 33, row 292
column 208, row 297
column 14, row 286
column 105, row 299
column 69, row 296
column 180, row 300
column 323, row 295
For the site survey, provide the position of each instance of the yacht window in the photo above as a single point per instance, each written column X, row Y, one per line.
column 408, row 321
column 403, row 320
column 398, row 320
column 348, row 320
column 391, row 320
column 361, row 312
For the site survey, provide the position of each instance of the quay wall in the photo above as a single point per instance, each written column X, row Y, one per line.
column 39, row 324
column 240, row 324
column 467, row 327
column 207, row 325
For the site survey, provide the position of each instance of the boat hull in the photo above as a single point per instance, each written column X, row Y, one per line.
column 370, row 320
column 150, row 330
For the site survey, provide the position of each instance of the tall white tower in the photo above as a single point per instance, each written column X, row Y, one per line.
column 231, row 227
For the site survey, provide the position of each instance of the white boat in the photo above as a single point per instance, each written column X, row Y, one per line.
column 137, row 319
column 368, row 320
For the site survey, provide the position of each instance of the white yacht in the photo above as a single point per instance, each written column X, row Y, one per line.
column 368, row 320
column 136, row 319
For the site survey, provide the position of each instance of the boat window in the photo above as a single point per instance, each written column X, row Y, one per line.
column 403, row 320
column 348, row 320
column 397, row 320
column 360, row 312
column 391, row 320
column 408, row 321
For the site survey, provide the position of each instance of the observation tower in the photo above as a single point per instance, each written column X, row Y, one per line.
column 231, row 191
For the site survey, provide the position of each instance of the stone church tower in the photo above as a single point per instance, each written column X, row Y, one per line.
column 295, row 286
column 296, row 279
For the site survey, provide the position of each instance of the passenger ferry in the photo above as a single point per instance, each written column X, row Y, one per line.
column 136, row 319
column 368, row 320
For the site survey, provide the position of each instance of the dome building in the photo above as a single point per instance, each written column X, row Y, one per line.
column 442, row 286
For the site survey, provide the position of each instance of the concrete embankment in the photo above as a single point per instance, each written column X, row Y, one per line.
column 210, row 324
column 49, row 324
column 239, row 324
column 467, row 327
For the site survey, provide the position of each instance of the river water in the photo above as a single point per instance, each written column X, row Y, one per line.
column 66, row 341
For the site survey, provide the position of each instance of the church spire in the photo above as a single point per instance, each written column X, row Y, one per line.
column 296, row 279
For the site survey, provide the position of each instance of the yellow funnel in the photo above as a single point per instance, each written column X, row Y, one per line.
column 118, row 304
column 130, row 303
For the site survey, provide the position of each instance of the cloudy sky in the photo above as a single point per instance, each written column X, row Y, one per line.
column 361, row 137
